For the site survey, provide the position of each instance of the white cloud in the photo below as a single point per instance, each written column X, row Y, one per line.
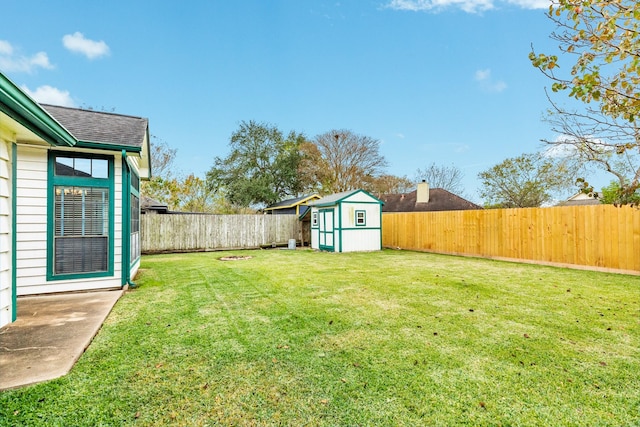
column 487, row 83
column 5, row 48
column 76, row 42
column 470, row 6
column 50, row 95
column 461, row 148
column 482, row 75
column 11, row 61
column 531, row 4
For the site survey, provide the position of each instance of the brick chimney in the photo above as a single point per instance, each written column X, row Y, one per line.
column 422, row 195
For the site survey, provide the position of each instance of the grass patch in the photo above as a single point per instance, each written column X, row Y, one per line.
column 368, row 339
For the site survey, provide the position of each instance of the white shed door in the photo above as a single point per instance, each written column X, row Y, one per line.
column 326, row 230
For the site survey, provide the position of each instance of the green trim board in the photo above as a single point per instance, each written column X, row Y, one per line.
column 54, row 181
column 380, row 227
column 360, row 228
column 349, row 202
column 14, row 234
column 110, row 147
column 20, row 107
column 339, row 228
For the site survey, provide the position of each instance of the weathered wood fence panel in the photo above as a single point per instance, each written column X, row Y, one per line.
column 601, row 236
column 185, row 233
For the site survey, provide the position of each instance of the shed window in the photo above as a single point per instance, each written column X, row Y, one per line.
column 314, row 219
column 361, row 218
column 81, row 230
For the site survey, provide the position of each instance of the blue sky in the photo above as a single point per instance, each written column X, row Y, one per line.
column 444, row 81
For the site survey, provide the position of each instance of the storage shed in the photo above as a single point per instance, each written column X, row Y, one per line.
column 347, row 222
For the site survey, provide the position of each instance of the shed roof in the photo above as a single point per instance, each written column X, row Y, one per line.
column 291, row 202
column 99, row 127
column 336, row 198
column 439, row 200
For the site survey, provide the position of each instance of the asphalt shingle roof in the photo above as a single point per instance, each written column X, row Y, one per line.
column 288, row 202
column 100, row 127
column 439, row 200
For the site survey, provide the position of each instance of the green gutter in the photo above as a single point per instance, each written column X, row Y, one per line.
column 14, row 235
column 106, row 146
column 19, row 106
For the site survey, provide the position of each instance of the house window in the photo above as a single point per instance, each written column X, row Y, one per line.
column 314, row 219
column 81, row 204
column 361, row 218
column 135, row 218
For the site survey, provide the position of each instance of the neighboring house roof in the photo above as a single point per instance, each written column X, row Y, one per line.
column 102, row 128
column 580, row 199
column 439, row 200
column 149, row 204
column 336, row 198
column 289, row 203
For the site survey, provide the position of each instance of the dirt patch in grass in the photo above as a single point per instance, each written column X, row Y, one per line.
column 234, row 258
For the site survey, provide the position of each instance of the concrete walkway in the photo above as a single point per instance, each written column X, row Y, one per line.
column 50, row 334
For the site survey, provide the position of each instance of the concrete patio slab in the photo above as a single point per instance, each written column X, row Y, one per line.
column 50, row 334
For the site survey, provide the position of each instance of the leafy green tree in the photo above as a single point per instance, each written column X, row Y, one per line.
column 195, row 196
column 341, row 160
column 601, row 41
column 163, row 183
column 611, row 195
column 261, row 168
column 529, row 180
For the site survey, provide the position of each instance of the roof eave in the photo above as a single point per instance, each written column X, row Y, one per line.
column 109, row 146
column 30, row 114
column 293, row 205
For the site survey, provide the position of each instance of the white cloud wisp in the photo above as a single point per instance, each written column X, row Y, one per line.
column 469, row 6
column 78, row 43
column 50, row 95
column 11, row 61
column 487, row 83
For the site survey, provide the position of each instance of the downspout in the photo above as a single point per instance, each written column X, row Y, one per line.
column 126, row 223
column 14, row 234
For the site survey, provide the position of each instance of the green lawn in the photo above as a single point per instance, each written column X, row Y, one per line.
column 392, row 338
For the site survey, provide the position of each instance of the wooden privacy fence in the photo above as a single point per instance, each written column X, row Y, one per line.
column 200, row 232
column 600, row 236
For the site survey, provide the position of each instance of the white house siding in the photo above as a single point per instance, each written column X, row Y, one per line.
column 6, row 241
column 31, row 228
